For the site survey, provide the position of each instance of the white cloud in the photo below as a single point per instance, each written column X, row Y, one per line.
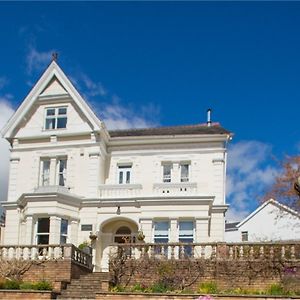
column 37, row 60
column 110, row 108
column 3, row 82
column 249, row 174
column 6, row 112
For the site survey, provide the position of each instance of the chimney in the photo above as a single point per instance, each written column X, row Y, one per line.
column 208, row 117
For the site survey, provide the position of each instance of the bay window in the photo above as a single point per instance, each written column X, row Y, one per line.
column 61, row 171
column 42, row 231
column 64, row 231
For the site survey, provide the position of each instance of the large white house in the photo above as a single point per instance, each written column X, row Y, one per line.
column 70, row 176
column 271, row 221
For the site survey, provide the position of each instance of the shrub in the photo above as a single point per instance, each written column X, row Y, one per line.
column 159, row 288
column 11, row 285
column 208, row 288
column 43, row 286
column 138, row 288
column 276, row 289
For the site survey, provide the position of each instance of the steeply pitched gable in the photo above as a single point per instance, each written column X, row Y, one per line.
column 52, row 85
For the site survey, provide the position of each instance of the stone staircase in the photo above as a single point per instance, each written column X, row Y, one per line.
column 85, row 287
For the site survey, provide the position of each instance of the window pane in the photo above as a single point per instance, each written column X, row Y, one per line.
column 63, row 239
column 186, row 228
column 62, row 111
column 50, row 123
column 184, row 173
column 167, row 173
column 43, row 239
column 120, row 177
column 61, row 122
column 161, row 229
column 128, row 177
column 64, row 226
column 46, row 172
column 50, row 112
column 43, row 225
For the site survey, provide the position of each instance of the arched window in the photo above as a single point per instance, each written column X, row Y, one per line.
column 123, row 235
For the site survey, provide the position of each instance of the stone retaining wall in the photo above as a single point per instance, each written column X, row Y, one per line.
column 25, row 295
column 125, row 296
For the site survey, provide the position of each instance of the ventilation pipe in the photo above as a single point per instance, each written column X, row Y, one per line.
column 208, row 117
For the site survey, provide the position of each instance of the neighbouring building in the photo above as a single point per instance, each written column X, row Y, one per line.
column 271, row 221
column 71, row 178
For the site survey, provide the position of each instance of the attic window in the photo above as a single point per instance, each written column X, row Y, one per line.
column 56, row 118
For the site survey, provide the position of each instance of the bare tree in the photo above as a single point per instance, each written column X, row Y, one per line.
column 286, row 188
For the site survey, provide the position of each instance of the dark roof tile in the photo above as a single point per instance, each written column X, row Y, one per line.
column 172, row 130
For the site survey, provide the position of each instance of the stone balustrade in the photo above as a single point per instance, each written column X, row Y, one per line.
column 222, row 251
column 175, row 189
column 46, row 252
column 120, row 190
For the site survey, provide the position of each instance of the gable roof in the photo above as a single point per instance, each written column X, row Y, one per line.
column 272, row 202
column 171, row 130
column 40, row 90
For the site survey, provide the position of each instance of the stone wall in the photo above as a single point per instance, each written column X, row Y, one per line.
column 125, row 296
column 57, row 272
column 246, row 274
column 25, row 295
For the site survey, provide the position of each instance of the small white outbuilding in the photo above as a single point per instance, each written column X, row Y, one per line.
column 271, row 221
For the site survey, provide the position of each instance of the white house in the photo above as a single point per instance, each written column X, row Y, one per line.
column 271, row 221
column 70, row 176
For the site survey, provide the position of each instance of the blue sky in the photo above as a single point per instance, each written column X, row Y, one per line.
column 164, row 63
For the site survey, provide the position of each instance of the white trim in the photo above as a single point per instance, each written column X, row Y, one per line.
column 51, row 71
column 270, row 201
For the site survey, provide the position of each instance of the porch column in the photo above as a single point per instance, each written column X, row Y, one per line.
column 29, row 231
column 173, row 231
column 202, row 230
column 73, row 236
column 54, row 234
column 146, row 227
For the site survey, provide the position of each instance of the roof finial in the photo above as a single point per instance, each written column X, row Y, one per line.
column 54, row 56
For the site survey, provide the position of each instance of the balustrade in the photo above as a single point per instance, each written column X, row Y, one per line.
column 219, row 251
column 46, row 252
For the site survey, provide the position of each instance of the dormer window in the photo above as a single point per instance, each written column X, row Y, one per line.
column 56, row 118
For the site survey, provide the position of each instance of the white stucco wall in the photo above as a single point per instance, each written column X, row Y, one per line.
column 269, row 224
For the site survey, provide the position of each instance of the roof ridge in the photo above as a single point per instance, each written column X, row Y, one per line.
column 169, row 126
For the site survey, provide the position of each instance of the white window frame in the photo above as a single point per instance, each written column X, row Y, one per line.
column 167, row 178
column 37, row 234
column 245, row 236
column 124, row 170
column 186, row 178
column 42, row 174
column 61, row 173
column 64, row 235
column 56, row 116
column 182, row 237
column 155, row 237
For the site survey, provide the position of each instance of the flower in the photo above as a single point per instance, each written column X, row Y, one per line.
column 206, row 297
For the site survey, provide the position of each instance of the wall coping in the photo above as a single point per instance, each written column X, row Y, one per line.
column 198, row 295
